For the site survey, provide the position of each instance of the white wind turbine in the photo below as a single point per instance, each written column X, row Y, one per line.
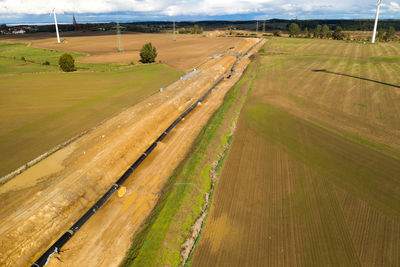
column 376, row 20
column 55, row 22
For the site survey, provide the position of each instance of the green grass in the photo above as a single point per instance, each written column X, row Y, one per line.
column 12, row 66
column 40, row 111
column 159, row 241
column 37, row 56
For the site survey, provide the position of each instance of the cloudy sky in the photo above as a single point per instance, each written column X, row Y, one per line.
column 36, row 11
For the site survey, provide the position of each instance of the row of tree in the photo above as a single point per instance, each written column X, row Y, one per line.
column 193, row 30
column 324, row 32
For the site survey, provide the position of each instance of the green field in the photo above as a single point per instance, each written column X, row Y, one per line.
column 41, row 107
column 312, row 176
column 20, row 58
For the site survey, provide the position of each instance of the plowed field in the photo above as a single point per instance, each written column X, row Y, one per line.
column 312, row 177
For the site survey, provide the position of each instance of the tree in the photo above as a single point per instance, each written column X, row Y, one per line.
column 66, row 62
column 148, row 53
column 325, row 31
column 182, row 30
column 306, row 32
column 381, row 34
column 391, row 33
column 294, row 30
column 318, row 31
column 338, row 34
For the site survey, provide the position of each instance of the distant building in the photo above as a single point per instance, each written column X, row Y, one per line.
column 20, row 31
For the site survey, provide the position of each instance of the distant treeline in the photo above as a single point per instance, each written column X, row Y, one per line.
column 270, row 25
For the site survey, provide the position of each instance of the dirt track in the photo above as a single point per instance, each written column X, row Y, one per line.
column 185, row 54
column 82, row 171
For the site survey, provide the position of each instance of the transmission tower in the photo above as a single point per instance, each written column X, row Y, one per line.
column 263, row 26
column 119, row 46
column 174, row 32
column 257, row 28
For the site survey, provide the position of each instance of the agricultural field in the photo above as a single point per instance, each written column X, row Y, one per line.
column 184, row 54
column 312, row 176
column 41, row 107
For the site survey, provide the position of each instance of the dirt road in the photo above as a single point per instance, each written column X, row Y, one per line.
column 45, row 201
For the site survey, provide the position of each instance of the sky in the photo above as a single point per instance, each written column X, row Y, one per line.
column 37, row 11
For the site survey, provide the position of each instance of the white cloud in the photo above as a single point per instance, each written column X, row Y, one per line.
column 394, row 7
column 194, row 7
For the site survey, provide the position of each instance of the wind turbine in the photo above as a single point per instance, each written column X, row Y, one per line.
column 376, row 20
column 55, row 22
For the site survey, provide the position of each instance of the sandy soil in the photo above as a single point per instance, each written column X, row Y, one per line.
column 41, row 206
column 184, row 54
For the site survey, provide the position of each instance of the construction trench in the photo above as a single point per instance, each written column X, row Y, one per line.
column 43, row 258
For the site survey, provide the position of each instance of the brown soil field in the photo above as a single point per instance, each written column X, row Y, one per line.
column 186, row 53
column 312, row 176
column 43, row 202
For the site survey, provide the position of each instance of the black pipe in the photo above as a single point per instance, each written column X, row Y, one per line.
column 55, row 248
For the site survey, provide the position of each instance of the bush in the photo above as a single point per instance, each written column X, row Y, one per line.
column 278, row 33
column 148, row 53
column 66, row 62
column 46, row 63
column 23, row 58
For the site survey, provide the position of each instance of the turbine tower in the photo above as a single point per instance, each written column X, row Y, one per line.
column 376, row 20
column 55, row 22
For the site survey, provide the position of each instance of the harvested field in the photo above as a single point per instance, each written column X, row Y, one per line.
column 184, row 54
column 87, row 167
column 312, row 177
